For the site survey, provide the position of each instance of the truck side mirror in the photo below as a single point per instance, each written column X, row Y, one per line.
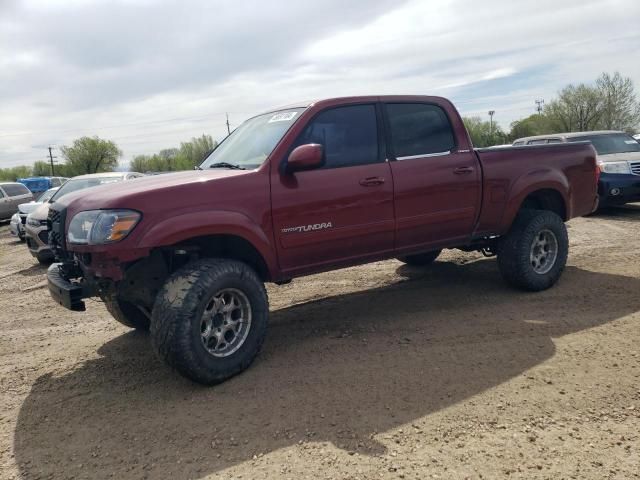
column 305, row 157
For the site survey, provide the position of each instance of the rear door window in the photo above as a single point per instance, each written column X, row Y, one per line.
column 541, row 141
column 419, row 129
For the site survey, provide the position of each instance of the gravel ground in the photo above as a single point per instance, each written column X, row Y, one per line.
column 379, row 371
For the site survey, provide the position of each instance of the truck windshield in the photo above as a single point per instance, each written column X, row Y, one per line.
column 251, row 143
column 610, row 143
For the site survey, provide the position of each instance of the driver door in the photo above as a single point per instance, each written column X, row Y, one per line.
column 343, row 211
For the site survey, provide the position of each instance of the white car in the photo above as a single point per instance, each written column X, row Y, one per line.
column 637, row 137
column 19, row 219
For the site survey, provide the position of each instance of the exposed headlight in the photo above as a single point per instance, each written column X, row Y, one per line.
column 615, row 167
column 97, row 227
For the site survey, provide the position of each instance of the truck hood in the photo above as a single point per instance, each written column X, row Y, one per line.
column 620, row 157
column 152, row 192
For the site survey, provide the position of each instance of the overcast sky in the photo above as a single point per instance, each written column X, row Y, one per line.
column 149, row 74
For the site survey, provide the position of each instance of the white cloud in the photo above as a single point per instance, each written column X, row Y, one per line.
column 151, row 75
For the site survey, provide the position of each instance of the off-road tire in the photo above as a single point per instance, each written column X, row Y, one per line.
column 126, row 313
column 177, row 316
column 514, row 250
column 44, row 260
column 421, row 259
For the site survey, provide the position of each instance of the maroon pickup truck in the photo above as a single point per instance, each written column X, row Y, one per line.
column 306, row 189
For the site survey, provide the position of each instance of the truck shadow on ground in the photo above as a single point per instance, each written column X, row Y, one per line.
column 337, row 369
column 629, row 212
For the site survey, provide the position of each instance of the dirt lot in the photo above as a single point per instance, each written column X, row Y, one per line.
column 381, row 371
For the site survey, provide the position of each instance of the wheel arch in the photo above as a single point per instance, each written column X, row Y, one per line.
column 228, row 234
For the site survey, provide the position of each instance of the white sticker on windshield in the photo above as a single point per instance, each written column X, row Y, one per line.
column 630, row 142
column 282, row 117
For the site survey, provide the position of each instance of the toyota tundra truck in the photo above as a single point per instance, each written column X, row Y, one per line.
column 305, row 189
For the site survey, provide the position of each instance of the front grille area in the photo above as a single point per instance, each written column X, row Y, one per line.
column 55, row 231
column 635, row 167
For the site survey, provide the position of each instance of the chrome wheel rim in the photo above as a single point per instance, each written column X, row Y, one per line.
column 225, row 322
column 544, row 252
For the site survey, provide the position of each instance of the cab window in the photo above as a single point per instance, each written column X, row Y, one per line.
column 419, row 129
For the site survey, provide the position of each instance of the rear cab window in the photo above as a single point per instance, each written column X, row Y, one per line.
column 419, row 130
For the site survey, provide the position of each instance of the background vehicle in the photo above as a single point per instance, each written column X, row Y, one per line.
column 618, row 160
column 308, row 189
column 41, row 184
column 36, row 233
column 11, row 195
column 18, row 221
column 637, row 137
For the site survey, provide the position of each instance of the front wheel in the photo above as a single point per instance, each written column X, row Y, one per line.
column 533, row 254
column 210, row 319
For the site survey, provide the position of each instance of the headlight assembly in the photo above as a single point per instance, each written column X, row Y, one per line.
column 97, row 227
column 615, row 167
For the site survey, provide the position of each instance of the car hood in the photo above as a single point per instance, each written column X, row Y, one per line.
column 28, row 207
column 156, row 191
column 40, row 212
column 620, row 157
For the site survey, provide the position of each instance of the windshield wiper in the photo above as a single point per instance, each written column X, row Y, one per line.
column 232, row 166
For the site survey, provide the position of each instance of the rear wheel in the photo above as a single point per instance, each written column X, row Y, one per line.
column 421, row 259
column 126, row 313
column 210, row 319
column 533, row 254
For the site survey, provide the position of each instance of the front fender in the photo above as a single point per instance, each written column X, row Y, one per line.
column 221, row 222
column 539, row 179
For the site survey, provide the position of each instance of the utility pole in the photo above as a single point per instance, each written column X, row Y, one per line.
column 51, row 157
column 228, row 127
column 491, row 113
column 539, row 105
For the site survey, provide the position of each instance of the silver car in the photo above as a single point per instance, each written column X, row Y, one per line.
column 19, row 219
column 36, row 232
column 12, row 194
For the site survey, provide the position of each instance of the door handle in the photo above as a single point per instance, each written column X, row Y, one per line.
column 371, row 181
column 463, row 170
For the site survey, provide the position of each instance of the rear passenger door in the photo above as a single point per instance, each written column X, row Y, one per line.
column 341, row 211
column 437, row 187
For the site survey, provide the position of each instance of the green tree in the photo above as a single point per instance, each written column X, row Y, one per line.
column 535, row 124
column 620, row 109
column 13, row 173
column 577, row 109
column 482, row 133
column 195, row 150
column 91, row 155
column 186, row 157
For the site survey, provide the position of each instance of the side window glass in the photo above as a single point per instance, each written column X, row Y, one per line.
column 419, row 129
column 542, row 141
column 349, row 135
column 555, row 140
column 1, row 194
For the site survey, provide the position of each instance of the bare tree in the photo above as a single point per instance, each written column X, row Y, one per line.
column 621, row 110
